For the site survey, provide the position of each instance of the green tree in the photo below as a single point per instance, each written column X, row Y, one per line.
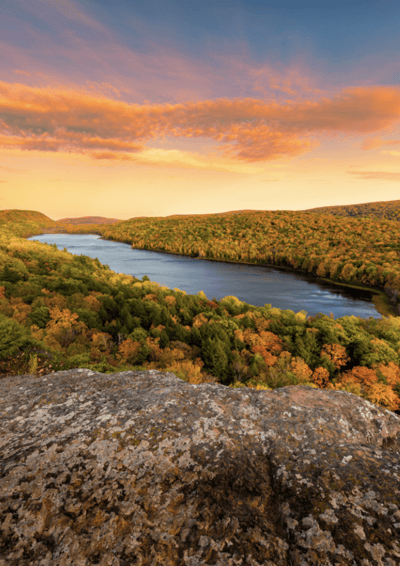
column 138, row 335
column 11, row 275
column 215, row 358
column 164, row 339
column 180, row 333
column 14, row 337
column 89, row 317
column 40, row 316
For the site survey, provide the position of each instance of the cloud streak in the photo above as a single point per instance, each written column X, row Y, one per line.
column 376, row 142
column 246, row 129
column 374, row 175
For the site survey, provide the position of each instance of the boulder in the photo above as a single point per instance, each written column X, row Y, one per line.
column 141, row 468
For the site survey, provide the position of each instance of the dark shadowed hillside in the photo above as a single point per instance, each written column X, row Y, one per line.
column 89, row 220
column 389, row 210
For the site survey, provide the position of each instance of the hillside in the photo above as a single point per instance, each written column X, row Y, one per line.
column 25, row 223
column 88, row 220
column 343, row 250
column 351, row 251
column 382, row 210
column 19, row 216
column 61, row 311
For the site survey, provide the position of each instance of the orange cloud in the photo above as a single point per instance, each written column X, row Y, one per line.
column 111, row 155
column 375, row 143
column 247, row 129
column 384, row 175
column 18, row 72
column 292, row 81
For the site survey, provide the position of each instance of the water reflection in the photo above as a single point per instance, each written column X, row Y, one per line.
column 256, row 285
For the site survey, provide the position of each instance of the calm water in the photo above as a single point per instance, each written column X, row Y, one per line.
column 252, row 284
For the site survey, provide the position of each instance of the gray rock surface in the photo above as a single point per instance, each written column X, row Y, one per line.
column 142, row 468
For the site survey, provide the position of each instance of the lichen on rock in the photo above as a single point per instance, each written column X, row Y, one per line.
column 141, row 468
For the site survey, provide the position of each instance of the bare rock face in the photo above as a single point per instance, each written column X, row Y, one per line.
column 142, row 468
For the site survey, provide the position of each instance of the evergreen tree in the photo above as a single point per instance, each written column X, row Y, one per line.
column 40, row 317
column 215, row 358
column 164, row 339
column 14, row 337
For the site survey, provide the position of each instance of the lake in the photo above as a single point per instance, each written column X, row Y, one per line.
column 255, row 285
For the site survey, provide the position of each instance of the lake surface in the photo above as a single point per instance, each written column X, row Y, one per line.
column 254, row 285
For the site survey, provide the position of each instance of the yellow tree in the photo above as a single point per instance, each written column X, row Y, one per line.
column 336, row 354
column 21, row 310
column 320, row 377
column 63, row 328
column 265, row 343
column 128, row 350
column 301, row 370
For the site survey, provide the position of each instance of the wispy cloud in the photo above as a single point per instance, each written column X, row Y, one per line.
column 376, row 142
column 246, row 129
column 382, row 175
column 72, row 47
column 19, row 72
column 46, row 9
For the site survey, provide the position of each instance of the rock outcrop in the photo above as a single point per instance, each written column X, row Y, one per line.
column 141, row 468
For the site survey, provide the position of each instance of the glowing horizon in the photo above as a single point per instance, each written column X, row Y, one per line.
column 119, row 111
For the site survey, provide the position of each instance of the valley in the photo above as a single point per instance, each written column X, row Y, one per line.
column 60, row 311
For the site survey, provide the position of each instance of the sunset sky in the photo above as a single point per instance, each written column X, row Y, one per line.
column 131, row 108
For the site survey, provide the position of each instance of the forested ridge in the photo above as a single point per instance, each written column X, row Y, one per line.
column 88, row 220
column 60, row 311
column 357, row 251
column 382, row 210
column 29, row 223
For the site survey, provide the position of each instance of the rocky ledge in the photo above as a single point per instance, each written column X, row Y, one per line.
column 141, row 468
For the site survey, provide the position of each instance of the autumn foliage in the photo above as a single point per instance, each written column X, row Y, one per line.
column 360, row 251
column 383, row 210
column 60, row 311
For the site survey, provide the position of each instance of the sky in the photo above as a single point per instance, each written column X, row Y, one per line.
column 152, row 108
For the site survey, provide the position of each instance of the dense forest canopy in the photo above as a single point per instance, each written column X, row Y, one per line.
column 61, row 311
column 355, row 251
column 389, row 210
column 88, row 220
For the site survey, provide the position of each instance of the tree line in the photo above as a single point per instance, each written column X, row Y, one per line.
column 389, row 210
column 355, row 251
column 62, row 311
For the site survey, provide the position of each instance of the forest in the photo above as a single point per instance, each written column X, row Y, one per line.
column 343, row 250
column 389, row 210
column 62, row 311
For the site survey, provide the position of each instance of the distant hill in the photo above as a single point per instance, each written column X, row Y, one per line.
column 389, row 210
column 16, row 215
column 382, row 210
column 89, row 220
column 25, row 223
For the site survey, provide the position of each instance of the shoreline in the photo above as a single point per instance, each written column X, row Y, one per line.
column 378, row 296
